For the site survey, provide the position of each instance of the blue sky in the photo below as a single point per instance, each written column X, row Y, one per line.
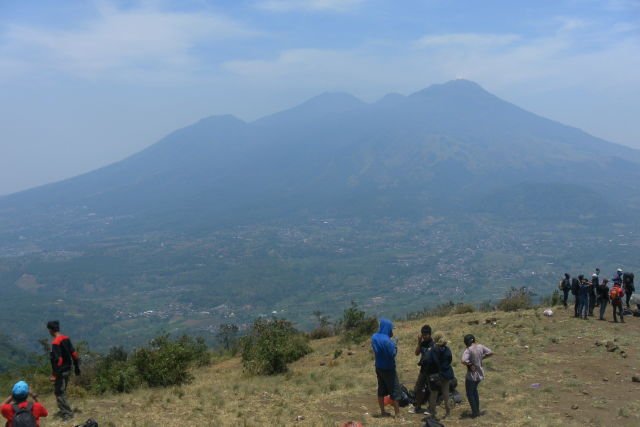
column 86, row 83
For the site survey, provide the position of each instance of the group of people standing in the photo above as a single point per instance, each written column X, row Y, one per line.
column 589, row 294
column 436, row 376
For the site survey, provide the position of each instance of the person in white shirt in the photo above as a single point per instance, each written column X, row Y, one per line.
column 472, row 358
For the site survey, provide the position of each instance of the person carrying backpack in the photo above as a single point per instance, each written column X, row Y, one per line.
column 575, row 290
column 629, row 287
column 603, row 297
column 472, row 358
column 62, row 356
column 565, row 287
column 440, row 357
column 425, row 344
column 615, row 295
column 18, row 411
column 583, row 306
column 385, row 351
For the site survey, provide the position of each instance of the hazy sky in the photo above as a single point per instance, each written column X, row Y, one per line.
column 85, row 83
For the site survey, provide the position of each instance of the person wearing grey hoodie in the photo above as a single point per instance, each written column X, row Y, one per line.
column 385, row 349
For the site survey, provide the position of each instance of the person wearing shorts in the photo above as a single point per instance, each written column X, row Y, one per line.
column 385, row 349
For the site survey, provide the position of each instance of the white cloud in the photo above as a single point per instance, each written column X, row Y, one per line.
column 117, row 40
column 308, row 5
column 467, row 39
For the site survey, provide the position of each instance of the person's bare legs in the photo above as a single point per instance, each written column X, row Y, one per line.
column 381, row 405
column 396, row 407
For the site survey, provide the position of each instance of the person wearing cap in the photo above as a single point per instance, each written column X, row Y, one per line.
column 472, row 358
column 63, row 357
column 440, row 358
column 385, row 349
column 617, row 278
column 425, row 344
column 18, row 404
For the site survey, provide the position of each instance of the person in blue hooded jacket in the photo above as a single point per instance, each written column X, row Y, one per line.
column 385, row 351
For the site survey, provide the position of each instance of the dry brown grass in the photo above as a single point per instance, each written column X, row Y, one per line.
column 558, row 353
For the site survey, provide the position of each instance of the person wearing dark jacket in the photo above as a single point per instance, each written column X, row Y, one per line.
column 595, row 281
column 440, row 357
column 575, row 290
column 629, row 287
column 63, row 357
column 603, row 297
column 385, row 351
column 565, row 286
column 583, row 293
column 425, row 344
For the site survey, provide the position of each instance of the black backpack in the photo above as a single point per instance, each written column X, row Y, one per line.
column 89, row 423
column 432, row 422
column 627, row 279
column 23, row 417
column 406, row 397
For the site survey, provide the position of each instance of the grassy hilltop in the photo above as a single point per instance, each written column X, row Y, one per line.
column 580, row 383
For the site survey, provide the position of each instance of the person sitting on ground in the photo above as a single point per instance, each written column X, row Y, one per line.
column 565, row 287
column 603, row 297
column 385, row 351
column 17, row 407
column 440, row 357
column 472, row 358
column 425, row 344
column 615, row 295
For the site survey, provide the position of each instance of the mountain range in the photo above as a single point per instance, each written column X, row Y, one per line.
column 450, row 160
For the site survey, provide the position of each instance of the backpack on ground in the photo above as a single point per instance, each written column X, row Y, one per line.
column 89, row 423
column 23, row 417
column 432, row 422
column 406, row 397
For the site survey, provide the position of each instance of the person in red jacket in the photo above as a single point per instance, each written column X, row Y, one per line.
column 18, row 403
column 63, row 357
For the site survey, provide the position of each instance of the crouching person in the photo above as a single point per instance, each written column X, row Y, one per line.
column 385, row 351
column 472, row 358
column 19, row 411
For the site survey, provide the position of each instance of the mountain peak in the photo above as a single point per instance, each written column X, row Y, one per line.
column 325, row 103
column 457, row 87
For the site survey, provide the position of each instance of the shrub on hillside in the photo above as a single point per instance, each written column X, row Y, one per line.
column 166, row 362
column 515, row 299
column 462, row 308
column 553, row 299
column 355, row 325
column 324, row 328
column 270, row 345
column 115, row 373
column 227, row 336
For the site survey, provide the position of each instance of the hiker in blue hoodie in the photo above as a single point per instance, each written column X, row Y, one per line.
column 385, row 353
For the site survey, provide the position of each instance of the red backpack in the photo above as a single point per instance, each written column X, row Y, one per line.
column 616, row 293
